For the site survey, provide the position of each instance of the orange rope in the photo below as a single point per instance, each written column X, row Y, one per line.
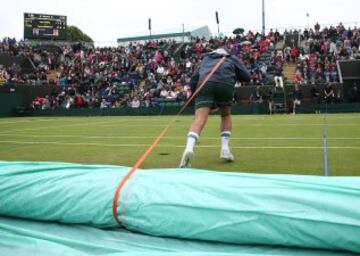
column 157, row 140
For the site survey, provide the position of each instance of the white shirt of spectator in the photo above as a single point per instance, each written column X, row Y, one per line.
column 237, row 84
column 188, row 64
column 332, row 47
column 135, row 103
column 164, row 93
column 187, row 87
column 160, row 70
column 263, row 69
column 172, row 95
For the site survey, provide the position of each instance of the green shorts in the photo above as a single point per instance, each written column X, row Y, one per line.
column 214, row 95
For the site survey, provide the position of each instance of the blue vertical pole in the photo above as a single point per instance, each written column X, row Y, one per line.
column 325, row 154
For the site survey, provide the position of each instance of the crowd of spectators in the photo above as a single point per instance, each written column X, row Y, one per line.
column 148, row 74
column 145, row 74
column 317, row 55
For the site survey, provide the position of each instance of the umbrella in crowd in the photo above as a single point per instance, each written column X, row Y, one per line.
column 238, row 31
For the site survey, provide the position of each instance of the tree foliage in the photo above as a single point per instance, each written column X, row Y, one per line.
column 74, row 34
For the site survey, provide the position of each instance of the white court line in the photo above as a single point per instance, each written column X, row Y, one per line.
column 123, row 124
column 24, row 121
column 165, row 146
column 166, row 137
column 154, row 118
column 57, row 126
column 80, row 122
column 237, row 125
column 42, row 128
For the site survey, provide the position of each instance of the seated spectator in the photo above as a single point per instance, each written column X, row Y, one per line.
column 298, row 79
column 46, row 103
column 38, row 103
column 2, row 79
column 187, row 92
column 4, row 76
column 69, row 102
column 79, row 101
column 147, row 102
column 164, row 93
column 172, row 94
column 135, row 103
column 104, row 103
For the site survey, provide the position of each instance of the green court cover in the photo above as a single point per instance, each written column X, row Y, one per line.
column 33, row 238
column 159, row 204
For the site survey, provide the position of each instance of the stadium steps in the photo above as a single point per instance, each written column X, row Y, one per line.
column 51, row 75
column 179, row 48
column 178, row 51
column 280, row 45
column 303, row 43
column 289, row 71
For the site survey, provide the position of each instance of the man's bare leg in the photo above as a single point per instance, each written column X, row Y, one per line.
column 197, row 125
column 200, row 119
column 225, row 134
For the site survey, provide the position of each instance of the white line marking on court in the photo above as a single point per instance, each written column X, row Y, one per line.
column 52, row 126
column 167, row 137
column 238, row 125
column 19, row 121
column 164, row 145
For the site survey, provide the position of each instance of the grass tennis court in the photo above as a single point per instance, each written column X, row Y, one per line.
column 261, row 144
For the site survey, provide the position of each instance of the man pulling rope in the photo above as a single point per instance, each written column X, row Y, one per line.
column 217, row 92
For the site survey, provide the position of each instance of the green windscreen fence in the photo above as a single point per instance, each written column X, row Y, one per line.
column 50, row 207
column 9, row 102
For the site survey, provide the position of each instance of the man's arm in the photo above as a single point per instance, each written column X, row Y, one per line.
column 242, row 74
column 195, row 80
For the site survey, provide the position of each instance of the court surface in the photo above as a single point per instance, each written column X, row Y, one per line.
column 262, row 144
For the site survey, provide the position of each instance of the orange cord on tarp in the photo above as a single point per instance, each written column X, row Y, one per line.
column 157, row 140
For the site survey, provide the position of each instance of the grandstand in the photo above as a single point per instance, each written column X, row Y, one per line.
column 156, row 70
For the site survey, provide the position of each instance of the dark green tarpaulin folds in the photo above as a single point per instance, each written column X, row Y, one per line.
column 287, row 210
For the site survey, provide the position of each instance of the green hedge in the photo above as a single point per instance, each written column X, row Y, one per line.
column 8, row 103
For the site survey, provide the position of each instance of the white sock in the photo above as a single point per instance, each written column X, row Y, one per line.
column 225, row 139
column 192, row 137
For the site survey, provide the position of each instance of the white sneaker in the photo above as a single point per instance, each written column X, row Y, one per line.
column 226, row 155
column 186, row 159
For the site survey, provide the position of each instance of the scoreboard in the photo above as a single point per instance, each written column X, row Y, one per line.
column 44, row 26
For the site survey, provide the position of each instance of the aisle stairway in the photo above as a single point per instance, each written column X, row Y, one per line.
column 289, row 71
column 51, row 75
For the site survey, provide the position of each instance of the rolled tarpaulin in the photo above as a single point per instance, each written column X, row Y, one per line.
column 288, row 210
column 22, row 237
